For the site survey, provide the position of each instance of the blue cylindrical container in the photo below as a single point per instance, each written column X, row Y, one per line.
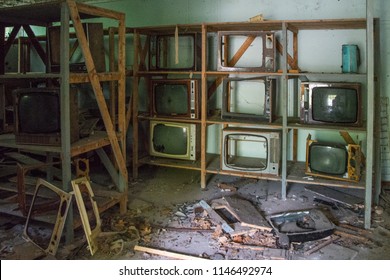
column 351, row 58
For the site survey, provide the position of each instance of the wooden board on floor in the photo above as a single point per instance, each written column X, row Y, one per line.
column 336, row 196
column 243, row 211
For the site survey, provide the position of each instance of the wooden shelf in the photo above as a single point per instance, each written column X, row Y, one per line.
column 105, row 200
column 293, row 123
column 214, row 167
column 296, row 174
column 167, row 119
column 245, row 122
column 97, row 140
column 164, row 73
column 290, row 172
column 176, row 163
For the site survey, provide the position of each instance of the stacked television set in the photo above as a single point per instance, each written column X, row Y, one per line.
column 95, row 35
column 333, row 160
column 331, row 103
column 176, row 140
column 251, row 150
column 175, row 52
column 249, row 99
column 37, row 114
column 175, row 98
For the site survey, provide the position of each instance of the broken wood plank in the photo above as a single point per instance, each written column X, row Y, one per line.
column 276, row 254
column 321, row 245
column 242, row 230
column 243, row 211
column 215, row 217
column 357, row 229
column 165, row 253
column 337, row 196
column 227, row 187
column 243, row 246
column 26, row 160
column 352, row 236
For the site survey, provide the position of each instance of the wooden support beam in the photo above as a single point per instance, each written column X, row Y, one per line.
column 11, row 38
column 35, row 42
column 240, row 52
column 3, row 52
column 164, row 253
column 135, row 104
column 113, row 84
column 290, row 60
column 96, row 11
column 97, row 88
column 348, row 139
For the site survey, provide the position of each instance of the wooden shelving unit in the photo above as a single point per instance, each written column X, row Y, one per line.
column 66, row 13
column 288, row 30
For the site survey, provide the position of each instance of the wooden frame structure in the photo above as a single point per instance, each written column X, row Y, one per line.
column 66, row 12
column 291, row 171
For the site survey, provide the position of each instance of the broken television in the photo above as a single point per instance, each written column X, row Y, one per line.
column 251, row 150
column 176, row 98
column 331, row 103
column 249, row 98
column 333, row 160
column 37, row 114
column 175, row 53
column 260, row 56
column 51, row 205
column 173, row 140
column 301, row 226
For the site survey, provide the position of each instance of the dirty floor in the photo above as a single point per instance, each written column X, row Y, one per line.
column 164, row 213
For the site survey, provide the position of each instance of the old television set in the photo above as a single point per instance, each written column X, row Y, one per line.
column 175, row 53
column 95, row 35
column 249, row 98
column 333, row 160
column 176, row 98
column 260, row 56
column 173, row 140
column 331, row 103
column 37, row 114
column 251, row 150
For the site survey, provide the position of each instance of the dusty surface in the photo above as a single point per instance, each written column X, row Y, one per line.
column 164, row 213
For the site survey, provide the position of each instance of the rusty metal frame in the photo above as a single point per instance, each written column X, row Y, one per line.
column 268, row 52
column 63, row 208
column 21, row 172
column 82, row 186
column 354, row 162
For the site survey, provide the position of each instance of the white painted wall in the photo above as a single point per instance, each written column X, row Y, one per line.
column 162, row 12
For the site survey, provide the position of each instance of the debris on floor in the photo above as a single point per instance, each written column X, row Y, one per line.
column 251, row 221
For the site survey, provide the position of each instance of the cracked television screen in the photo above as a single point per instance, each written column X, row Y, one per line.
column 170, row 139
column 49, row 204
column 171, row 99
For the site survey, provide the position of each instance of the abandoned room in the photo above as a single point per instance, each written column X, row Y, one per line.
column 194, row 130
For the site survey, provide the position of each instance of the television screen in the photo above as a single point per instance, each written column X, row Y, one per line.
column 175, row 98
column 168, row 52
column 333, row 160
column 250, row 150
column 173, row 140
column 39, row 112
column 171, row 99
column 260, row 56
column 95, row 36
column 247, row 151
column 331, row 103
column 328, row 159
column 335, row 104
column 252, row 98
